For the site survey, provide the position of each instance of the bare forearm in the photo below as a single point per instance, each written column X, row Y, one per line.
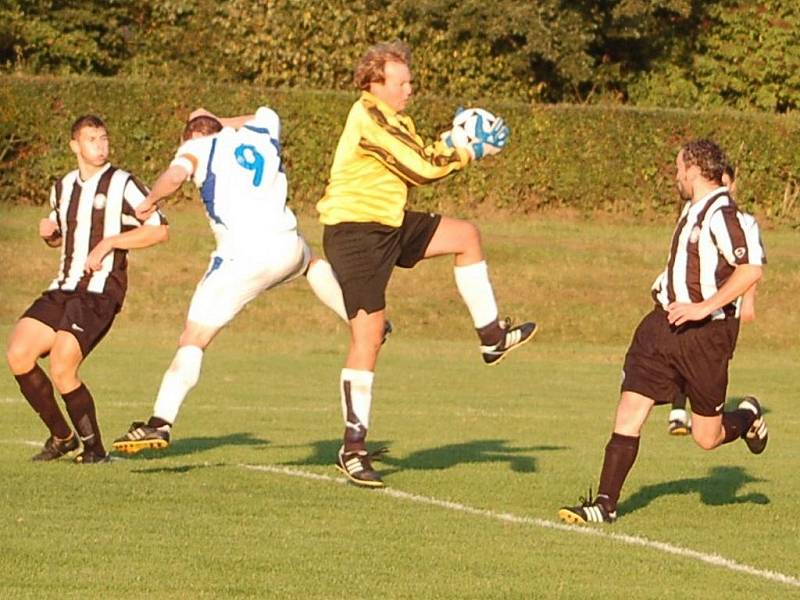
column 743, row 278
column 141, row 237
column 167, row 184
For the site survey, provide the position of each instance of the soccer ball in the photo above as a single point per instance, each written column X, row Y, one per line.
column 466, row 123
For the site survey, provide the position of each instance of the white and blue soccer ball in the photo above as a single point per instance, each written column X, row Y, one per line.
column 467, row 123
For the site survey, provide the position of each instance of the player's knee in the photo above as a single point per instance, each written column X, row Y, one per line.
column 64, row 376
column 706, row 442
column 20, row 357
column 471, row 236
column 367, row 344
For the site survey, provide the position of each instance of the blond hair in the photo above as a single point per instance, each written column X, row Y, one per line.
column 370, row 68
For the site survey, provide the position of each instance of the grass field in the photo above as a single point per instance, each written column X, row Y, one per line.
column 246, row 503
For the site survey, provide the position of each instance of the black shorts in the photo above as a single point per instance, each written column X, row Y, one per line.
column 363, row 255
column 85, row 315
column 663, row 360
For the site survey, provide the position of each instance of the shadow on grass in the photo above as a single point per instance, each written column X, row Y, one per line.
column 440, row 458
column 193, row 445
column 179, row 470
column 718, row 489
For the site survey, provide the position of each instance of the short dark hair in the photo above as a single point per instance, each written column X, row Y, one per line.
column 730, row 171
column 708, row 157
column 370, row 68
column 204, row 125
column 86, row 121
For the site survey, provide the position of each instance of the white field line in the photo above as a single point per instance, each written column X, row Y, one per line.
column 631, row 540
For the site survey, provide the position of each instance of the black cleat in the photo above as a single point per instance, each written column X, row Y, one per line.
column 89, row 457
column 756, row 437
column 141, row 436
column 589, row 511
column 56, row 448
column 514, row 337
column 356, row 465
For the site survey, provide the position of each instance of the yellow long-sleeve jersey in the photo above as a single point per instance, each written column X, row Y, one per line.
column 378, row 157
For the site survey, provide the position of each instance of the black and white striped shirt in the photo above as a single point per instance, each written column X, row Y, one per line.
column 88, row 211
column 711, row 238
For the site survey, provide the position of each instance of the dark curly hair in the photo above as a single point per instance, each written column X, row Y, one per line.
column 708, row 157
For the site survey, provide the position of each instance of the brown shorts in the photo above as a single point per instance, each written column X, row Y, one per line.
column 85, row 315
column 662, row 360
column 363, row 256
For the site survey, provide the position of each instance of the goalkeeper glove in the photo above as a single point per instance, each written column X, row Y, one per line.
column 488, row 141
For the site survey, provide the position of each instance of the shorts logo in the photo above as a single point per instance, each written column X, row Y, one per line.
column 739, row 252
column 719, row 408
column 100, row 201
column 694, row 237
column 76, row 327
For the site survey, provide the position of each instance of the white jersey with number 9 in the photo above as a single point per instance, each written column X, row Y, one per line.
column 242, row 183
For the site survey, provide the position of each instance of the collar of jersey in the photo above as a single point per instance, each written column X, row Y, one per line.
column 102, row 170
column 712, row 195
column 382, row 106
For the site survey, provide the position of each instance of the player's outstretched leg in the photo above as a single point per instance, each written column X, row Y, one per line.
column 498, row 336
column 182, row 375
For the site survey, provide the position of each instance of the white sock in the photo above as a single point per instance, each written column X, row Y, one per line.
column 475, row 288
column 679, row 414
column 323, row 282
column 181, row 377
column 360, row 387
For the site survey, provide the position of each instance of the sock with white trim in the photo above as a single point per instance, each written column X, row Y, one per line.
column 82, row 413
column 356, row 394
column 323, row 282
column 182, row 376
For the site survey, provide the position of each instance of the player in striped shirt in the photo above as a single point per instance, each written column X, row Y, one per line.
column 236, row 164
column 686, row 342
column 368, row 232
column 678, row 422
column 93, row 221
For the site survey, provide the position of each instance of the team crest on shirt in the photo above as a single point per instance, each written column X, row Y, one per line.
column 739, row 252
column 100, row 201
column 694, row 236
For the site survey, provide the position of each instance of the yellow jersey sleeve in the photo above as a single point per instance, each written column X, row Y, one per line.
column 378, row 157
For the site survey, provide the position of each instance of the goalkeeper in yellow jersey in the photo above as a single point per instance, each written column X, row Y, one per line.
column 368, row 232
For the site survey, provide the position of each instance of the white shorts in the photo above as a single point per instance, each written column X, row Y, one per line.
column 231, row 282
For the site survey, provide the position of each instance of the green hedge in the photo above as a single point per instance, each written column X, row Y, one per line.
column 585, row 158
